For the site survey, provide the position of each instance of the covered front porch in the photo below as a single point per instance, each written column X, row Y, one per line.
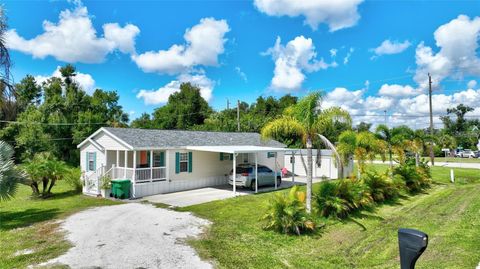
column 139, row 166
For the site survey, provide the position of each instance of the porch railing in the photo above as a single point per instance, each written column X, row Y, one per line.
column 141, row 174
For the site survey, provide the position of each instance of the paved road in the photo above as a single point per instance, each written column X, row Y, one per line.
column 447, row 164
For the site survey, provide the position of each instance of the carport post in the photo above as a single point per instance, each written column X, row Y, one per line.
column 234, row 175
column 293, row 166
column 256, row 172
column 276, row 170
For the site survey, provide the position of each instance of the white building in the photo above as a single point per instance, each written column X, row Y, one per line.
column 326, row 167
column 162, row 161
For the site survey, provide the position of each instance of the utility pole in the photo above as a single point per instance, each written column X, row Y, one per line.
column 385, row 117
column 228, row 104
column 432, row 155
column 238, row 115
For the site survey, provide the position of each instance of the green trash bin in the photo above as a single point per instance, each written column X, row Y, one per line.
column 121, row 188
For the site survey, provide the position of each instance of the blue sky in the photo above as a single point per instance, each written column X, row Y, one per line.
column 243, row 49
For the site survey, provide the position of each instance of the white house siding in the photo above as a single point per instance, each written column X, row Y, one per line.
column 328, row 167
column 270, row 162
column 91, row 186
column 108, row 142
column 88, row 147
column 204, row 165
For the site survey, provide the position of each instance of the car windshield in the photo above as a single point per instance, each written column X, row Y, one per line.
column 241, row 170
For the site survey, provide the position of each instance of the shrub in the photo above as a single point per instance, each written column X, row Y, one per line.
column 327, row 202
column 355, row 193
column 339, row 198
column 380, row 186
column 415, row 178
column 73, row 178
column 105, row 182
column 287, row 214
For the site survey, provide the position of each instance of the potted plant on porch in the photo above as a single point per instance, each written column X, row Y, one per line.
column 105, row 186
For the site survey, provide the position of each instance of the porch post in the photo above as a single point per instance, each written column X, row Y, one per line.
column 125, row 158
column 118, row 158
column 276, row 170
column 293, row 167
column 256, row 172
column 134, row 166
column 234, row 175
column 151, row 165
column 167, row 165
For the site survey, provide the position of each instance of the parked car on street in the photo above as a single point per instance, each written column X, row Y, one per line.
column 467, row 153
column 245, row 176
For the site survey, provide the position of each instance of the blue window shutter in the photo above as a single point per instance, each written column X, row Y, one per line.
column 86, row 161
column 231, row 157
column 177, row 162
column 94, row 161
column 162, row 158
column 221, row 156
column 190, row 162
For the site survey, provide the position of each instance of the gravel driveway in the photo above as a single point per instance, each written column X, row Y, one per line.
column 131, row 235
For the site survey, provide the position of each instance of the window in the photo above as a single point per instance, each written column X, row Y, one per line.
column 225, row 156
column 91, row 161
column 157, row 159
column 183, row 162
column 245, row 157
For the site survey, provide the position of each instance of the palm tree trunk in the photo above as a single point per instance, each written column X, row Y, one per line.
column 309, row 174
column 390, row 155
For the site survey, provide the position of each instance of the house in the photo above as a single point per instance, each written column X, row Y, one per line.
column 327, row 166
column 162, row 161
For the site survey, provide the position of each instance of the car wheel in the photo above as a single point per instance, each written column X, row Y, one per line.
column 252, row 185
column 279, row 181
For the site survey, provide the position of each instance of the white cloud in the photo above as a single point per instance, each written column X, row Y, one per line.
column 337, row 14
column 241, row 74
column 291, row 61
column 204, row 43
column 457, row 57
column 74, row 39
column 124, row 37
column 388, row 47
column 346, row 59
column 401, row 109
column 160, row 96
column 333, row 53
column 472, row 84
column 86, row 81
column 396, row 90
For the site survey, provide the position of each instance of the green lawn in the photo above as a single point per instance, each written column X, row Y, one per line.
column 28, row 224
column 449, row 213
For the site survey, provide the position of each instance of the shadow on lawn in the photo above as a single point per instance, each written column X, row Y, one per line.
column 17, row 219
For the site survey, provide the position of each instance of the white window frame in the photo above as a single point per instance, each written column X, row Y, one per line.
column 155, row 161
column 183, row 158
column 91, row 160
column 226, row 156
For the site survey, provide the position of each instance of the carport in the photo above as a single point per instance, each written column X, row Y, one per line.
column 235, row 150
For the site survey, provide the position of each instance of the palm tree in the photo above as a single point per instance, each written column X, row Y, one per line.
column 364, row 145
column 385, row 133
column 10, row 176
column 304, row 119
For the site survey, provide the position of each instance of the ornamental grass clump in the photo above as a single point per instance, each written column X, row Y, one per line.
column 380, row 186
column 416, row 178
column 287, row 214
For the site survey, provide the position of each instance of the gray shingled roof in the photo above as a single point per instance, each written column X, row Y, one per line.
column 151, row 138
